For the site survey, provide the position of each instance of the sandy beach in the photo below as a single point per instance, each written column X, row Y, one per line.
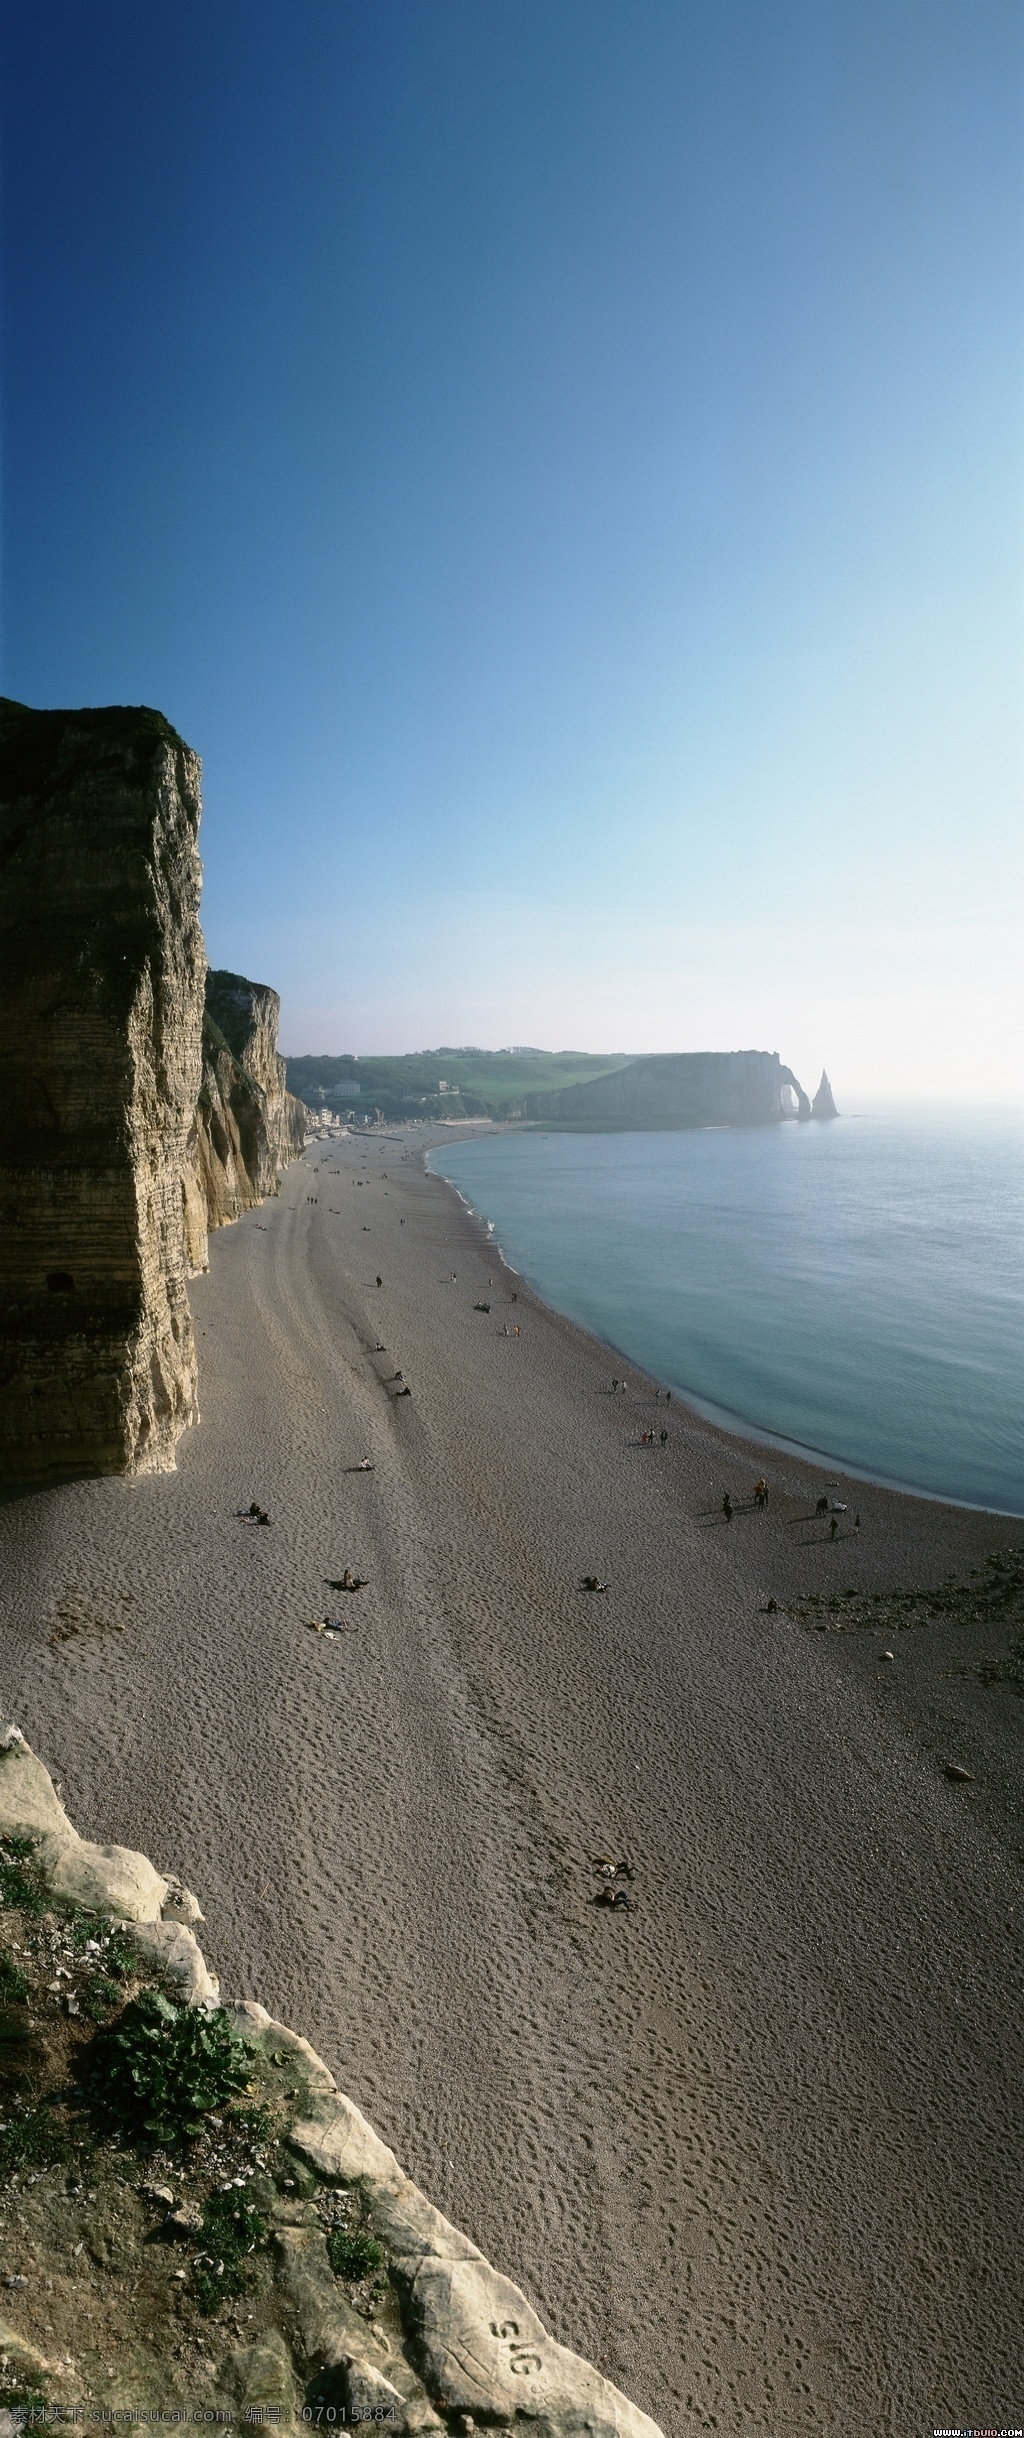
column 752, row 2145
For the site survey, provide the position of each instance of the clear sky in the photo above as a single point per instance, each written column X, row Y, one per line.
column 559, row 462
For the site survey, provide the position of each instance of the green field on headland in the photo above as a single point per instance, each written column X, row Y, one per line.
column 445, row 1082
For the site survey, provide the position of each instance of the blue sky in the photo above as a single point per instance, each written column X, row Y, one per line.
column 559, row 462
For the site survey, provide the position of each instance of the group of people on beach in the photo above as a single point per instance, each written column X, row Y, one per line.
column 760, row 1499
column 832, row 1507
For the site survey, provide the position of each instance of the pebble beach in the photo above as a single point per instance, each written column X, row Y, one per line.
column 750, row 2138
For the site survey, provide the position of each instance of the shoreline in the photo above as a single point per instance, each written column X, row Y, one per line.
column 735, row 1426
column 724, row 2139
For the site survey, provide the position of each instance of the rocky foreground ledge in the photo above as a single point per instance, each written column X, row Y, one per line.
column 198, row 2224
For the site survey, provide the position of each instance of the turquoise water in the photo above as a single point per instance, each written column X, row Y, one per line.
column 856, row 1288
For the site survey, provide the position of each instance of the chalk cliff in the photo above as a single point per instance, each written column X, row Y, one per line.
column 144, row 1100
column 248, row 1125
column 102, row 968
column 690, row 1088
column 823, row 1104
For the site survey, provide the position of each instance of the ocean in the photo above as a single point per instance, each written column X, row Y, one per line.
column 853, row 1288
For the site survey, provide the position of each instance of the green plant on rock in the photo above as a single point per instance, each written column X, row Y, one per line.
column 16, row 2030
column 13, row 1984
column 162, row 2068
column 23, row 2397
column 100, row 1998
column 233, row 2233
column 352, row 2254
column 21, row 1882
column 254, row 2119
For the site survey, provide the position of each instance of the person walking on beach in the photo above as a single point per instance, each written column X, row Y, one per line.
column 727, row 1508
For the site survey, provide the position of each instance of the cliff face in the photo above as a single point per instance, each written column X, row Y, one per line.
column 700, row 1088
column 102, row 968
column 248, row 1125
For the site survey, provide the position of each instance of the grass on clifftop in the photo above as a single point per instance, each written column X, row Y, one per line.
column 481, row 1083
column 144, row 2164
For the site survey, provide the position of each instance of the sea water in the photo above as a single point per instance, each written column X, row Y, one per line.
column 853, row 1287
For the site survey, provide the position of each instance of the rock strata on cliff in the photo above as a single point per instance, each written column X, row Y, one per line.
column 281, row 2262
column 102, row 969
column 248, row 1125
column 684, row 1088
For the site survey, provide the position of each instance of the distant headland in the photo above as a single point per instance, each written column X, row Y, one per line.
column 563, row 1088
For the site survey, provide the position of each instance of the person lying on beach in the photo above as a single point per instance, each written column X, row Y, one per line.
column 254, row 1514
column 481, row 1307
column 613, row 1896
column 610, row 1869
column 591, row 1583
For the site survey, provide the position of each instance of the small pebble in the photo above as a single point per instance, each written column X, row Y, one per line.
column 886, row 1655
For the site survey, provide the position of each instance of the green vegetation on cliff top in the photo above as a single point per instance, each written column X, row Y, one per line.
column 480, row 1083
